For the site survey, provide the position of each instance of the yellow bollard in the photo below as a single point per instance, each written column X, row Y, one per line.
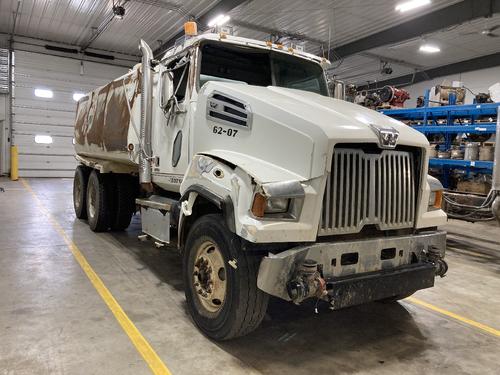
column 14, row 166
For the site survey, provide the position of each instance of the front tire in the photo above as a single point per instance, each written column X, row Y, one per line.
column 221, row 281
column 98, row 198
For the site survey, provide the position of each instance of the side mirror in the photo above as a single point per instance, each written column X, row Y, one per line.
column 166, row 88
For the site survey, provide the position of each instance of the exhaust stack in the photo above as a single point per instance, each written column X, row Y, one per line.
column 146, row 113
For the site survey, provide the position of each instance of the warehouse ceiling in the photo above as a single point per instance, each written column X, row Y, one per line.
column 355, row 34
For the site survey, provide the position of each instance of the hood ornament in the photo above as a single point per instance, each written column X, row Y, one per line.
column 387, row 137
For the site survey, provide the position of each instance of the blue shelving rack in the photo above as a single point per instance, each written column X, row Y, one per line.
column 451, row 120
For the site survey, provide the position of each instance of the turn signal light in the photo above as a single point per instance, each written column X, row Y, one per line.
column 438, row 200
column 259, row 205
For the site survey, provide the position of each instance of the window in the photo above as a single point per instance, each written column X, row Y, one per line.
column 44, row 93
column 260, row 67
column 180, row 70
column 44, row 139
column 298, row 74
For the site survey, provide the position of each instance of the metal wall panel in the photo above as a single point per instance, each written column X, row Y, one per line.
column 54, row 116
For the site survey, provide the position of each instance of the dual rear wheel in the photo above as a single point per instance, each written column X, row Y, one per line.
column 107, row 201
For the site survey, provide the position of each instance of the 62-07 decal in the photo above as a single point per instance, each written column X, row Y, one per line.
column 221, row 131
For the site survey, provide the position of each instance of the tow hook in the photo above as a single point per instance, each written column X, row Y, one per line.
column 435, row 257
column 306, row 282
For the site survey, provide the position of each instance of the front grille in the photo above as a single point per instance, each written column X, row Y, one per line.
column 364, row 188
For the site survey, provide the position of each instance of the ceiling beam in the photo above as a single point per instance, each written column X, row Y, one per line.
column 222, row 7
column 483, row 62
column 440, row 19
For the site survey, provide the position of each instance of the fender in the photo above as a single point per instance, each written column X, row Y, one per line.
column 215, row 182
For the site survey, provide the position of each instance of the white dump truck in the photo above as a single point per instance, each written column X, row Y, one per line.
column 233, row 150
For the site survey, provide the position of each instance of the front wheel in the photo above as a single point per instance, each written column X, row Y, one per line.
column 221, row 281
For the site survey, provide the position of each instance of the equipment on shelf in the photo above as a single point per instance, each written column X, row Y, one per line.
column 494, row 92
column 368, row 99
column 482, row 97
column 464, row 154
column 440, row 95
column 393, row 96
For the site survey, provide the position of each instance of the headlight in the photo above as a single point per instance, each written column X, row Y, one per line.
column 277, row 205
column 278, row 200
column 262, row 205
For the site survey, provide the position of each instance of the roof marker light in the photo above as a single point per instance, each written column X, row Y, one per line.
column 412, row 4
column 220, row 20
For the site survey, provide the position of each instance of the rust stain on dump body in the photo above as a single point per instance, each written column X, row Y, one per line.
column 103, row 116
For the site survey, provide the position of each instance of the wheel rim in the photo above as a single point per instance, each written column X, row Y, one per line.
column 92, row 200
column 209, row 277
column 77, row 193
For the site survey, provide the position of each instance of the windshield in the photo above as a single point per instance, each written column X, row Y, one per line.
column 260, row 68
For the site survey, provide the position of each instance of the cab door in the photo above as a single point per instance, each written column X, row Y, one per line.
column 171, row 130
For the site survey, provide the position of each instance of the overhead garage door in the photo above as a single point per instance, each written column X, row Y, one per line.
column 44, row 109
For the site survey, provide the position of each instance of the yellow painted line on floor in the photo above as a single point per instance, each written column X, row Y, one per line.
column 142, row 345
column 470, row 322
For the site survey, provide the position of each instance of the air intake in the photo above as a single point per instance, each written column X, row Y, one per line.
column 228, row 111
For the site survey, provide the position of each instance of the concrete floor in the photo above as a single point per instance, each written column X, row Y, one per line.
column 52, row 321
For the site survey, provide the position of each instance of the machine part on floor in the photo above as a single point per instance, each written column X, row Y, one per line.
column 495, row 208
column 306, row 282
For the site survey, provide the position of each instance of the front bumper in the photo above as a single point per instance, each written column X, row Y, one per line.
column 373, row 286
column 358, row 265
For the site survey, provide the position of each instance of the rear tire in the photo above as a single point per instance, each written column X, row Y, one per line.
column 222, row 297
column 124, row 201
column 80, row 191
column 98, row 196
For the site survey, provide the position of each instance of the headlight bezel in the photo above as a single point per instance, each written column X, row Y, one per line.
column 287, row 196
column 435, row 195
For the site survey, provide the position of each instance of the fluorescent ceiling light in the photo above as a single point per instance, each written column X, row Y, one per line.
column 219, row 20
column 77, row 96
column 412, row 4
column 42, row 93
column 46, row 139
column 429, row 48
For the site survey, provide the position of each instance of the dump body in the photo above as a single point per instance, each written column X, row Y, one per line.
column 107, row 120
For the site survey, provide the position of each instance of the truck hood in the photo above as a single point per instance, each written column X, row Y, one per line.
column 296, row 130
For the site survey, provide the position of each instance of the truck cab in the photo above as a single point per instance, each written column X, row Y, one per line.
column 269, row 186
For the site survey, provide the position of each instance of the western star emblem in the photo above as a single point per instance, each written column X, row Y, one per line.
column 387, row 137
